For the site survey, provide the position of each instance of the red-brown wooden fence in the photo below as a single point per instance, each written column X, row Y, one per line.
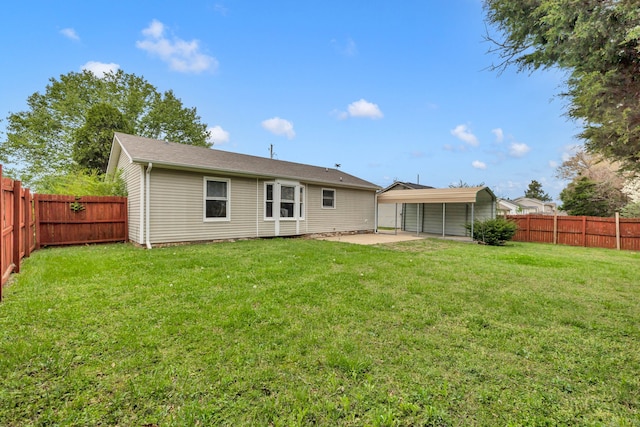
column 613, row 233
column 29, row 222
column 18, row 227
column 68, row 220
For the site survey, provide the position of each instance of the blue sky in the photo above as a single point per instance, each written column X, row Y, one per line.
column 389, row 90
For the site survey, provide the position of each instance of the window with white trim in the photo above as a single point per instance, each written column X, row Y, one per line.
column 328, row 198
column 289, row 200
column 216, row 199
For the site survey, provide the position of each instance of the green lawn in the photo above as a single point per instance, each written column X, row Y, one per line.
column 289, row 332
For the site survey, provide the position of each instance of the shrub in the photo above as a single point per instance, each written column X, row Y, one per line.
column 83, row 183
column 493, row 232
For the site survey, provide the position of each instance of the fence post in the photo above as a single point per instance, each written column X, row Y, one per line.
column 555, row 227
column 2, row 248
column 529, row 228
column 17, row 189
column 28, row 238
column 618, row 230
column 584, row 231
column 36, row 209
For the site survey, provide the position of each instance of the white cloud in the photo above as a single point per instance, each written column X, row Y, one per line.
column 518, row 149
column 553, row 164
column 100, row 68
column 217, row 135
column 278, row 126
column 499, row 134
column 462, row 133
column 221, row 9
column 348, row 48
column 183, row 56
column 70, row 33
column 478, row 164
column 364, row 108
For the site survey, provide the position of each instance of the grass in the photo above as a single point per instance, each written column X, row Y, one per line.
column 299, row 332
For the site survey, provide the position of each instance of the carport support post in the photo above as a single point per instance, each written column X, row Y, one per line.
column 444, row 214
column 395, row 219
column 473, row 219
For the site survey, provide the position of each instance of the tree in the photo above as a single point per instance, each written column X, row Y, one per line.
column 534, row 191
column 93, row 140
column 464, row 184
column 581, row 197
column 597, row 43
column 608, row 180
column 632, row 190
column 41, row 141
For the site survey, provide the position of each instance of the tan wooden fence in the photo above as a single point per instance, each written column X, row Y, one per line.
column 613, row 233
column 31, row 221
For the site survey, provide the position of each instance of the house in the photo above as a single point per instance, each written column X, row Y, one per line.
column 443, row 211
column 534, row 206
column 182, row 193
column 508, row 207
column 390, row 215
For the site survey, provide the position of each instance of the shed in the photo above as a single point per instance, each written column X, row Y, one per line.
column 443, row 211
column 390, row 215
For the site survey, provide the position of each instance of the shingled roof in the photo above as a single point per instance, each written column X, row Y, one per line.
column 171, row 155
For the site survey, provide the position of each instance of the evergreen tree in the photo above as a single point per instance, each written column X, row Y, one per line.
column 534, row 191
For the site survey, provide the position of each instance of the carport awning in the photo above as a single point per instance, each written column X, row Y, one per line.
column 433, row 195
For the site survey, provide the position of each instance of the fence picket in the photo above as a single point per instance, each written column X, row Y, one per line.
column 579, row 231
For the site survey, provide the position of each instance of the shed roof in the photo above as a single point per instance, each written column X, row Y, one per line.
column 172, row 155
column 434, row 195
column 406, row 185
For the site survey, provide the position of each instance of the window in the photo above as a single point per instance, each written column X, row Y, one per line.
column 287, row 201
column 301, row 203
column 268, row 199
column 290, row 200
column 216, row 199
column 328, row 198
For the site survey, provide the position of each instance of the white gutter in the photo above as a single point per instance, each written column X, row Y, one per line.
column 148, row 204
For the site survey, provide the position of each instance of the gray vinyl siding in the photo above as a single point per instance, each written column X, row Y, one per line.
column 431, row 216
column 354, row 210
column 457, row 215
column 485, row 208
column 177, row 208
column 132, row 173
column 410, row 217
column 388, row 216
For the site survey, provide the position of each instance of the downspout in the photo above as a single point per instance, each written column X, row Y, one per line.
column 148, row 205
column 375, row 218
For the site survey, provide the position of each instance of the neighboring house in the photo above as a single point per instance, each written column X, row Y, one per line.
column 443, row 211
column 534, row 206
column 508, row 207
column 390, row 215
column 181, row 193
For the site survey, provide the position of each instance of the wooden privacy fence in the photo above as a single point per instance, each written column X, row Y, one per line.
column 596, row 232
column 68, row 220
column 18, row 227
column 30, row 222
